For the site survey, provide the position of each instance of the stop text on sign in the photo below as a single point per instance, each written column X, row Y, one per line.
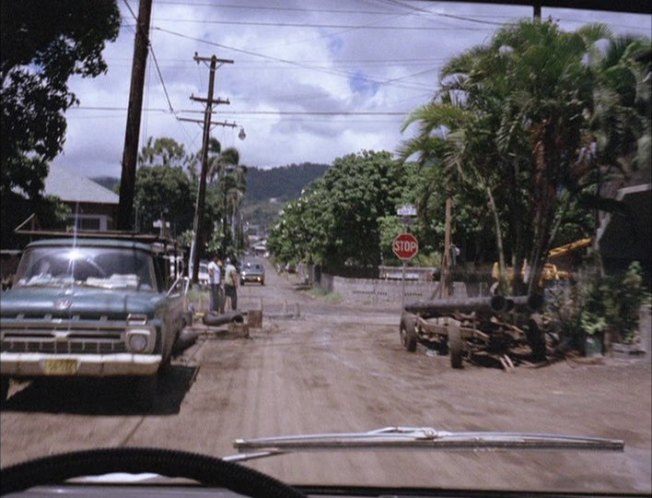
column 405, row 246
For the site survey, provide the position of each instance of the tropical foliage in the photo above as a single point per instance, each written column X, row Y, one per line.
column 163, row 193
column 228, row 180
column 42, row 44
column 337, row 221
column 524, row 126
column 599, row 305
column 167, row 185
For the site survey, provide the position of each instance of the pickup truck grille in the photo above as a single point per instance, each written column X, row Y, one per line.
column 72, row 337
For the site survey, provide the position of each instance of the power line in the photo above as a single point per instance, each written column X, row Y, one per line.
column 332, row 11
column 284, row 113
column 327, row 26
column 273, row 8
column 160, row 77
column 249, row 63
column 339, row 73
column 321, row 113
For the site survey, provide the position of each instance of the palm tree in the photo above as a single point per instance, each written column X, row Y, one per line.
column 524, row 99
column 236, row 186
column 622, row 120
column 224, row 165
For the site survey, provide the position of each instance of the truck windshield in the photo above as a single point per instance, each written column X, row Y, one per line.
column 108, row 268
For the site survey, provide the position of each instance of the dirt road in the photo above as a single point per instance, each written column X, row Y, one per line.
column 337, row 368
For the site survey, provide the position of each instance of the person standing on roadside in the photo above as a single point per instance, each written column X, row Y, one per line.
column 215, row 279
column 230, row 284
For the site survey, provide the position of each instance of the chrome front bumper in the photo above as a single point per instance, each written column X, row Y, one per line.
column 94, row 365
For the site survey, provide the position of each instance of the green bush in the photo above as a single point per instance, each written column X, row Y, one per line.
column 612, row 304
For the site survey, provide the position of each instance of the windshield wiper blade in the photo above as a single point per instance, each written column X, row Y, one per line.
column 423, row 438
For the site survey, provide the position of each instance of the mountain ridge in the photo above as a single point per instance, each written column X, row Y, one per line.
column 280, row 183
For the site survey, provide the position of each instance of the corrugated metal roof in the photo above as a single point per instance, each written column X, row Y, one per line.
column 70, row 187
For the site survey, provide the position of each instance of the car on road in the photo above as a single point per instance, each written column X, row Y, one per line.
column 92, row 306
column 203, row 277
column 252, row 273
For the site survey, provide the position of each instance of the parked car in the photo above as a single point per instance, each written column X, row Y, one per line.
column 252, row 272
column 92, row 307
column 204, row 278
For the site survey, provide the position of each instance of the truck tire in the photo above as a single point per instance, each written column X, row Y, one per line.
column 455, row 346
column 408, row 332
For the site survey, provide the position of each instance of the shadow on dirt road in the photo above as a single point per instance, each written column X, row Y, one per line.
column 96, row 396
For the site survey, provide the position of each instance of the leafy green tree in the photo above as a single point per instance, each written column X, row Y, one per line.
column 42, row 44
column 360, row 189
column 296, row 236
column 164, row 189
column 163, row 192
column 164, row 151
column 337, row 221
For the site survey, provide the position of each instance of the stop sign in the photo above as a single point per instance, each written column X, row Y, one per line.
column 405, row 246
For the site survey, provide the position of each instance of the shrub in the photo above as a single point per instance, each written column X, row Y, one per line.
column 612, row 303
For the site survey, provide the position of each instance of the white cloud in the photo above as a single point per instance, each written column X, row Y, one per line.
column 297, row 57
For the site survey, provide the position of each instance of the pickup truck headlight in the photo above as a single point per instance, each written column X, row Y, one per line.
column 138, row 340
column 139, row 335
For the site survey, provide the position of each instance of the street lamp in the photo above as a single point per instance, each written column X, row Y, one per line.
column 242, row 135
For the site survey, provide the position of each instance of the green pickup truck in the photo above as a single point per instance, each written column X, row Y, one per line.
column 97, row 306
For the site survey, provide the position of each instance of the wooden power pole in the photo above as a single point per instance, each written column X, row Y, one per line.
column 536, row 5
column 130, row 152
column 198, row 220
column 446, row 263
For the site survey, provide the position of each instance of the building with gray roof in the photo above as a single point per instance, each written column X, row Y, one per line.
column 93, row 206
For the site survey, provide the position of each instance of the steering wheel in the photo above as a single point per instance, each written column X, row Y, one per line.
column 170, row 463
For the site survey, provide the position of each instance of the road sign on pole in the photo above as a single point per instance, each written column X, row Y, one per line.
column 407, row 210
column 405, row 246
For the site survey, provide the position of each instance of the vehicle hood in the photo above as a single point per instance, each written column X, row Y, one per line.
column 78, row 301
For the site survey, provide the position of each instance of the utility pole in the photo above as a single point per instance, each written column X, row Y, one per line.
column 130, row 152
column 445, row 276
column 197, row 224
column 536, row 5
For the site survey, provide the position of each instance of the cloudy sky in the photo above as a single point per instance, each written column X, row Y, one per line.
column 311, row 80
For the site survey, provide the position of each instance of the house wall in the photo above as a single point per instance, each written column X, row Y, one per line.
column 93, row 216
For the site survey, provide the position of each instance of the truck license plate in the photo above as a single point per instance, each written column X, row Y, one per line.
column 61, row 367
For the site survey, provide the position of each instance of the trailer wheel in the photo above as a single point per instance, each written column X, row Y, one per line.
column 408, row 332
column 455, row 346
